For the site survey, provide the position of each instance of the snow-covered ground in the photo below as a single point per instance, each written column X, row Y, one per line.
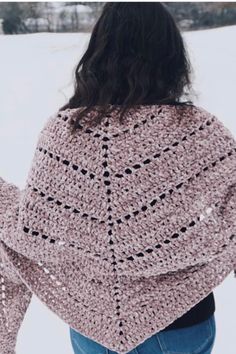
column 36, row 73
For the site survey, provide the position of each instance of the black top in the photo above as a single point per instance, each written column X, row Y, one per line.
column 198, row 313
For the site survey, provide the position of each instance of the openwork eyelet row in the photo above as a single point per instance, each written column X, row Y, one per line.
column 3, row 298
column 66, row 162
column 57, row 241
column 57, row 282
column 54, row 279
column 65, row 206
column 163, row 195
column 150, row 159
column 107, row 183
column 3, row 294
column 137, row 125
column 133, row 128
column 176, row 235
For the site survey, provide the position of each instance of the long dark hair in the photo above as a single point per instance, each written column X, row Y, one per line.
column 136, row 56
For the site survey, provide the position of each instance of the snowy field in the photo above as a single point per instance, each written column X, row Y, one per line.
column 36, row 79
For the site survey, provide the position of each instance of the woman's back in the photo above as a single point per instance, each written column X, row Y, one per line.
column 119, row 230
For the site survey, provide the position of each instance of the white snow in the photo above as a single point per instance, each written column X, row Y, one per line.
column 36, row 79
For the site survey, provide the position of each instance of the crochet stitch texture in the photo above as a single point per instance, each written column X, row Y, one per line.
column 120, row 229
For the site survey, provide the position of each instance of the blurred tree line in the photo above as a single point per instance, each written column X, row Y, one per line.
column 200, row 15
column 14, row 16
column 189, row 15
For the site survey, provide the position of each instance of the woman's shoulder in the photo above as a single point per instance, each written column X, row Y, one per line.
column 164, row 116
column 204, row 112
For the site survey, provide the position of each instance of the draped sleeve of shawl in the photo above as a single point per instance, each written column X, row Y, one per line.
column 15, row 296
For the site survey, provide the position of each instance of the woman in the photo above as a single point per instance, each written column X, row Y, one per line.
column 126, row 223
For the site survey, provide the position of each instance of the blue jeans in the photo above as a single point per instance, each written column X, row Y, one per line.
column 196, row 339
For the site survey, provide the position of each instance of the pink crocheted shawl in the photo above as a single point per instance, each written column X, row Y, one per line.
column 120, row 229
